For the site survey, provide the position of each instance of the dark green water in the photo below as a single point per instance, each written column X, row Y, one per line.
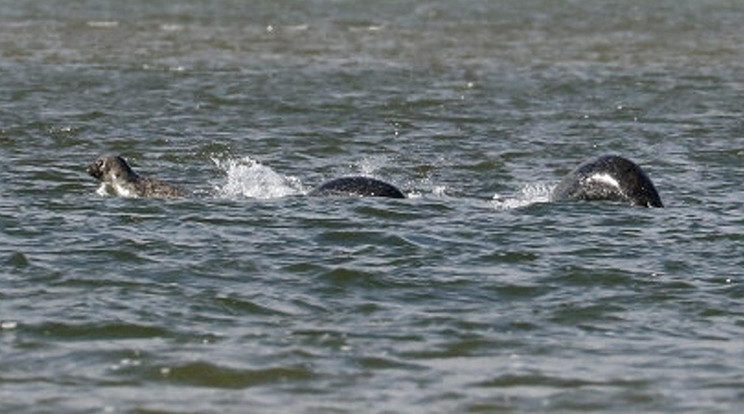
column 472, row 295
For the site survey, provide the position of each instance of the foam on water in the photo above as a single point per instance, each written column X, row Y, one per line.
column 527, row 195
column 246, row 177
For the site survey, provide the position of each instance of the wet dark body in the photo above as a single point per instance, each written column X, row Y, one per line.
column 608, row 177
column 357, row 186
column 119, row 179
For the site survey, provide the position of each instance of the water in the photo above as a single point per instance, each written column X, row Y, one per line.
column 472, row 295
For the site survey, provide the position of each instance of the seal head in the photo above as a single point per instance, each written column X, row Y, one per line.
column 608, row 177
column 118, row 178
column 357, row 186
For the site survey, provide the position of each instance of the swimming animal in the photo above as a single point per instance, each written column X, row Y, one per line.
column 118, row 178
column 608, row 177
column 356, row 186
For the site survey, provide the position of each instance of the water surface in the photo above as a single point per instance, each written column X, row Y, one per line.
column 472, row 295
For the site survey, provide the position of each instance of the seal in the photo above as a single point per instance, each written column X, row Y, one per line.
column 608, row 177
column 356, row 186
column 118, row 178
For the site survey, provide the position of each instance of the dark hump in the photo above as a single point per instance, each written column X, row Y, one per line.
column 595, row 179
column 357, row 187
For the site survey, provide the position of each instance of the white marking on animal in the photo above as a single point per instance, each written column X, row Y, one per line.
column 123, row 191
column 103, row 190
column 605, row 179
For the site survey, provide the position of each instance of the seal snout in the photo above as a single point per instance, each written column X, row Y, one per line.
column 119, row 179
column 95, row 169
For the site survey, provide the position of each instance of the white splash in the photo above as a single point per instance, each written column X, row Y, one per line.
column 249, row 178
column 439, row 190
column 527, row 195
column 371, row 164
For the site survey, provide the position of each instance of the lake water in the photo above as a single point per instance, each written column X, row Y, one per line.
column 474, row 294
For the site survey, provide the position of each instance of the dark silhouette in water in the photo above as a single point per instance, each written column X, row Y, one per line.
column 357, row 186
column 608, row 177
column 119, row 179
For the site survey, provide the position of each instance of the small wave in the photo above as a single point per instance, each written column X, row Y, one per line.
column 527, row 195
column 102, row 24
column 206, row 374
column 249, row 178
